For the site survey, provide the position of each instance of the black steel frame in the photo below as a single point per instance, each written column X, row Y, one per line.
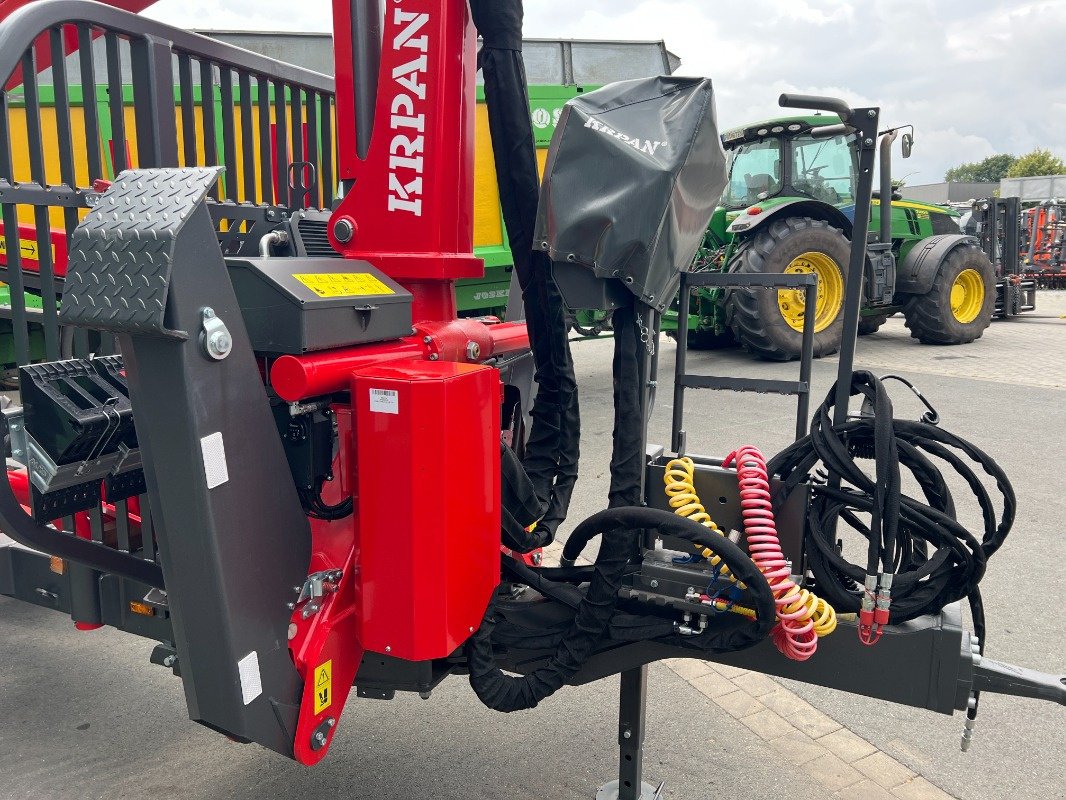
column 863, row 122
column 683, row 379
column 175, row 76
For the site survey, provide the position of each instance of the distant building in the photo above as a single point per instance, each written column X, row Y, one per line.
column 948, row 192
column 1030, row 190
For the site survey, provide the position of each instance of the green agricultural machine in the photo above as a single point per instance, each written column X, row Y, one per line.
column 789, row 208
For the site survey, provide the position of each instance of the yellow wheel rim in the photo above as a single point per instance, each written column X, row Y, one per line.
column 967, row 296
column 830, row 292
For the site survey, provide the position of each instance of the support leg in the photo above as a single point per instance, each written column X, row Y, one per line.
column 632, row 703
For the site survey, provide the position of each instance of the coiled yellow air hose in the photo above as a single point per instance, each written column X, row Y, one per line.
column 686, row 503
column 799, row 603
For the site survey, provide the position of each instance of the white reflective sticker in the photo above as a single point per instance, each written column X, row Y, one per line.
column 214, row 452
column 385, row 401
column 251, row 680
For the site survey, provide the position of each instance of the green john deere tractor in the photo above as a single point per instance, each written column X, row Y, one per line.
column 789, row 207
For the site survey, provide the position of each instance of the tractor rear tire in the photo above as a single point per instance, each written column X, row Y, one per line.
column 959, row 306
column 755, row 315
column 868, row 325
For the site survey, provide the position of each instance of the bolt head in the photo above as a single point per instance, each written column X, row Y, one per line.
column 388, row 649
column 627, row 734
column 169, row 661
column 473, row 351
column 209, row 313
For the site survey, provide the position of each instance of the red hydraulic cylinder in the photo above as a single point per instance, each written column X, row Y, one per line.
column 296, row 378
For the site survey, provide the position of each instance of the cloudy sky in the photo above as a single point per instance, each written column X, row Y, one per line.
column 975, row 77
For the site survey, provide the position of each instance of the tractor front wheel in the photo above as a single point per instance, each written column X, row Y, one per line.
column 868, row 325
column 709, row 340
column 770, row 324
column 959, row 306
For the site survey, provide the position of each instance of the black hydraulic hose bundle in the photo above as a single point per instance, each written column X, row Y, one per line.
column 619, row 528
column 930, row 558
column 537, row 491
column 551, row 453
column 314, row 506
column 619, row 544
column 597, row 608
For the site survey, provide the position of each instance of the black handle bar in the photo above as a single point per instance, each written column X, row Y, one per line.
column 831, row 104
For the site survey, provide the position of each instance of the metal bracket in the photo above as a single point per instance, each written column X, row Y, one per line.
column 157, row 598
column 319, row 584
column 17, row 434
column 609, row 791
column 215, row 338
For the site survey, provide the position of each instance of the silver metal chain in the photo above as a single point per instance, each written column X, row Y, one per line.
column 645, row 335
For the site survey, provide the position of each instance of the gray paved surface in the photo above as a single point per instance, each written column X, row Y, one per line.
column 85, row 715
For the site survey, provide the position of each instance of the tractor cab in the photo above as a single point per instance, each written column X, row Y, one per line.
column 783, row 158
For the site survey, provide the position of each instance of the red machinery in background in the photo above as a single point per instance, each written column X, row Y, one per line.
column 1043, row 245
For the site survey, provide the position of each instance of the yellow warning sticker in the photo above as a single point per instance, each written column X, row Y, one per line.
column 27, row 249
column 323, row 686
column 343, row 284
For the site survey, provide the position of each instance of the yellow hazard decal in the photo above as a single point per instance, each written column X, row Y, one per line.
column 323, row 686
column 27, row 249
column 343, row 284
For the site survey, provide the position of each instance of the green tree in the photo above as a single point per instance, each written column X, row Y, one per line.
column 1039, row 162
column 991, row 169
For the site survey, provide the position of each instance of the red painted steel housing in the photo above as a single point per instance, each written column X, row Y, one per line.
column 419, row 446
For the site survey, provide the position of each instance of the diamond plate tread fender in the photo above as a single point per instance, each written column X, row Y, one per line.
column 122, row 253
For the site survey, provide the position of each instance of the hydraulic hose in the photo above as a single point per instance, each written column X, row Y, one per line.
column 802, row 616
column 681, row 494
column 619, row 529
column 920, row 557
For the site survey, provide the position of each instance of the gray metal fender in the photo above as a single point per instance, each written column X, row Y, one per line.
column 748, row 222
column 918, row 270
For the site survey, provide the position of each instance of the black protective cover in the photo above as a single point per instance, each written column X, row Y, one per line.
column 634, row 173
